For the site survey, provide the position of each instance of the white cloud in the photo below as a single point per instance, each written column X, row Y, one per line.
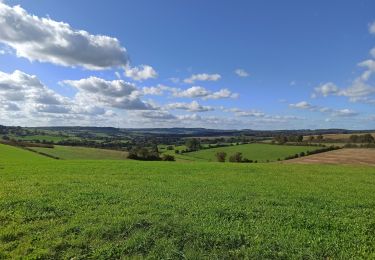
column 344, row 113
column 326, row 89
column 333, row 112
column 157, row 115
column 140, row 73
column 19, row 86
column 372, row 28
column 201, row 92
column 241, row 73
column 302, row 105
column 372, row 52
column 252, row 113
column 359, row 91
column 202, row 77
column 194, row 106
column 156, row 91
column 46, row 40
column 192, row 92
column 116, row 93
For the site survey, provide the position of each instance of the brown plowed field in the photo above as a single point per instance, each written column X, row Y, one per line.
column 342, row 156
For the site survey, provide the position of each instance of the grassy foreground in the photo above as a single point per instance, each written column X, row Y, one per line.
column 111, row 209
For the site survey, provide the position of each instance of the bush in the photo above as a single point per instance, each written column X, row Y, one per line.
column 220, row 156
column 237, row 157
column 168, row 157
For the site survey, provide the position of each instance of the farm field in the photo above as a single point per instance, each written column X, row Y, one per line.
column 355, row 156
column 259, row 152
column 10, row 154
column 82, row 153
column 338, row 136
column 111, row 209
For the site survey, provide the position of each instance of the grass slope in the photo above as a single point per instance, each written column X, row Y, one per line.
column 15, row 154
column 113, row 209
column 260, row 152
column 82, row 153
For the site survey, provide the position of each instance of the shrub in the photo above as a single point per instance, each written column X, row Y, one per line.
column 237, row 157
column 220, row 156
column 168, row 157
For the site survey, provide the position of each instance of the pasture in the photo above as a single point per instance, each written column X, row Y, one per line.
column 82, row 153
column 59, row 209
column 259, row 152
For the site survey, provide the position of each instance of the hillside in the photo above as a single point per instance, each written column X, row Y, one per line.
column 101, row 209
column 259, row 152
column 82, row 153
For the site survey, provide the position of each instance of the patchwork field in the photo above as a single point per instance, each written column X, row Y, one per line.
column 338, row 136
column 56, row 209
column 342, row 156
column 82, row 153
column 259, row 152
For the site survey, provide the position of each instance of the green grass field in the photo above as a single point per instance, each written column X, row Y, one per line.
column 259, row 152
column 82, row 153
column 53, row 209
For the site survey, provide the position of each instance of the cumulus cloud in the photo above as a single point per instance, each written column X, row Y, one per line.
column 326, row 89
column 156, row 91
column 20, row 88
column 302, row 105
column 157, row 115
column 194, row 106
column 201, row 92
column 372, row 52
column 242, row 73
column 140, row 73
column 372, row 28
column 47, row 40
column 359, row 91
column 344, row 113
column 115, row 93
column 333, row 112
column 202, row 77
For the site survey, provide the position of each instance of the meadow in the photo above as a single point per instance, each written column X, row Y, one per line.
column 259, row 152
column 59, row 209
column 82, row 153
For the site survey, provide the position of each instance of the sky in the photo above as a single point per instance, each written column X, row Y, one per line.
column 262, row 64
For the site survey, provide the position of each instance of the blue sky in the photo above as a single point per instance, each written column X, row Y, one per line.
column 238, row 64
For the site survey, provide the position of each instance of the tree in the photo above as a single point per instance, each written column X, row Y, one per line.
column 237, row 157
column 300, row 138
column 319, row 138
column 311, row 138
column 367, row 138
column 220, row 156
column 193, row 144
column 281, row 139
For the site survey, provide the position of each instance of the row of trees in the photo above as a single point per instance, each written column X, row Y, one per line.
column 366, row 138
column 236, row 157
column 282, row 139
column 148, row 154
